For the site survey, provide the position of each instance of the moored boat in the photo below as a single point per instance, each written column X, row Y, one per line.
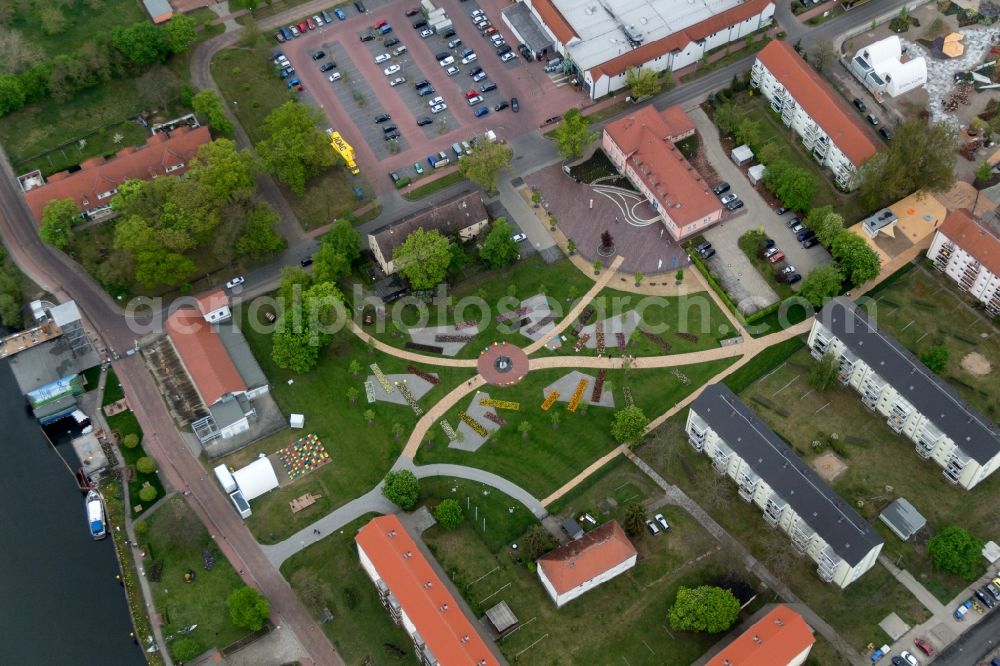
column 95, row 515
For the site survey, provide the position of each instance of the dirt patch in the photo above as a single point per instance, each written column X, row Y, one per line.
column 976, row 364
column 829, row 466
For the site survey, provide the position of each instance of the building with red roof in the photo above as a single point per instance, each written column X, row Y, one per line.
column 641, row 146
column 780, row 638
column 968, row 252
column 203, row 355
column 585, row 563
column 416, row 598
column 603, row 40
column 829, row 128
column 214, row 306
column 96, row 181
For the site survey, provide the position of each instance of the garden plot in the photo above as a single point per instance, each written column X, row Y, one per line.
column 625, row 323
column 449, row 338
column 538, row 318
column 475, row 426
column 568, row 385
column 418, row 387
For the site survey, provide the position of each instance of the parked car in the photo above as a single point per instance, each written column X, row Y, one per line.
column 904, row 658
column 423, row 120
column 391, row 69
column 398, row 80
column 804, row 234
column 303, row 28
column 425, row 91
column 294, row 29
column 452, row 71
column 781, row 211
column 519, row 238
column 797, row 227
column 507, row 57
column 860, row 105
column 924, row 646
column 426, row 32
column 294, row 82
column 413, row 11
column 986, row 599
column 791, row 222
column 787, row 270
column 436, row 100
column 810, row 242
column 767, row 242
column 770, row 251
column 735, row 204
column 454, row 44
column 885, row 134
column 391, row 136
column 438, row 108
column 479, row 77
column 419, row 23
column 963, row 610
column 380, row 23
column 487, row 87
column 326, row 16
column 994, row 590
column 481, row 111
column 382, row 118
column 792, row 278
column 422, row 83
column 776, row 257
column 360, row 6
column 469, row 58
column 310, row 24
column 367, row 37
column 334, row 77
column 445, row 62
column 514, row 106
column 720, row 189
column 386, row 29
column 381, row 58
column 469, row 94
column 339, row 13
column 306, row 262
column 327, row 66
column 475, row 71
column 709, row 253
column 235, row 282
column 872, row 119
column 661, row 521
column 729, row 196
column 318, row 21
column 286, row 72
column 653, row 529
column 280, row 36
column 500, row 106
column 701, row 247
column 419, row 169
column 392, row 41
column 389, row 129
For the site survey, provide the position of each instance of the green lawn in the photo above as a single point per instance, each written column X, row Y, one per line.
column 549, row 457
column 83, row 20
column 605, row 494
column 328, row 197
column 328, row 575
column 113, row 391
column 436, row 185
column 361, row 454
column 498, row 518
column 854, row 612
column 176, row 537
column 125, row 423
column 762, row 363
column 91, row 377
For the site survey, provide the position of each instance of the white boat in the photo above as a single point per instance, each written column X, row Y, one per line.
column 95, row 515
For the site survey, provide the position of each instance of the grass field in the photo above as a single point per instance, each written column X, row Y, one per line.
column 854, row 612
column 549, row 457
column 113, row 391
column 622, row 621
column 605, row 494
column 83, row 20
column 176, row 537
column 328, row 575
column 361, row 453
column 328, row 197
column 436, row 185
column 125, row 423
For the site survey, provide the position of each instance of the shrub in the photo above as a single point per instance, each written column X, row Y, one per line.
column 130, row 441
column 145, row 465
column 147, row 493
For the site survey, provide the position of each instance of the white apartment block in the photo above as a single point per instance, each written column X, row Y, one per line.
column 914, row 402
column 790, row 493
column 829, row 129
column 969, row 254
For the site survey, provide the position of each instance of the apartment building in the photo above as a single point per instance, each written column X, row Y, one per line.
column 586, row 562
column 827, row 126
column 913, row 400
column 416, row 599
column 790, row 493
column 780, row 638
column 969, row 253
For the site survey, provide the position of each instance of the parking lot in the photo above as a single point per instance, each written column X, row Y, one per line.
column 363, row 90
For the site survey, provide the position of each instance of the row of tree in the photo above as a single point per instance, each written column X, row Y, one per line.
column 854, row 261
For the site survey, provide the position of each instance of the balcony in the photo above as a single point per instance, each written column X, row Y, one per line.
column 820, row 346
column 956, row 465
column 772, row 512
column 755, row 75
column 697, row 432
column 828, row 562
column 747, row 488
column 721, row 462
column 801, row 534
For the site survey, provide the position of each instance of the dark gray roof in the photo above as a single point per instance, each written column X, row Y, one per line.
column 572, row 528
column 239, row 351
column 972, row 432
column 903, row 518
column 448, row 218
column 847, row 533
column 226, row 412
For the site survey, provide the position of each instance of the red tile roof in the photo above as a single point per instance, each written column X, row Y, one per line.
column 643, row 137
column 775, row 640
column 677, row 121
column 554, row 19
column 586, row 558
column 819, row 100
column 203, row 355
column 98, row 175
column 447, row 633
column 974, row 238
column 678, row 41
column 212, row 301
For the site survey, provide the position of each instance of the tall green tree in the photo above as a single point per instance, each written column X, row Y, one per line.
column 642, row 82
column 823, row 374
column 208, row 105
column 822, row 283
column 857, row 260
column 295, row 149
column 629, row 425
column 794, row 186
column 292, row 347
column 259, row 236
column 935, row 358
column 635, row 519
column 448, row 513
column 921, row 156
column 822, row 54
column 223, row 172
column 11, row 94
column 143, row 43
column 345, row 240
column 825, row 223
column 248, row 608
column 707, row 608
column 956, row 551
column 484, row 164
column 573, row 134
column 338, row 251
column 402, row 489
column 423, row 258
column 499, row 249
column 179, row 33
column 58, row 219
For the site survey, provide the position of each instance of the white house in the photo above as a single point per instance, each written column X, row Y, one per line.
column 969, row 253
column 790, row 493
column 214, row 306
column 914, row 402
column 829, row 129
column 881, row 68
column 585, row 563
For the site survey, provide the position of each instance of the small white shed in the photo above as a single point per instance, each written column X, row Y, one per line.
column 296, row 420
column 226, row 479
column 756, row 173
column 741, row 154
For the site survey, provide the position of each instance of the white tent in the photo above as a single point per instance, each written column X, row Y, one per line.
column 256, row 478
column 756, row 172
column 885, row 59
column 741, row 154
column 296, row 420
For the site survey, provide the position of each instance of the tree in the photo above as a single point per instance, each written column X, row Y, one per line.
column 727, row 117
column 857, row 260
column 956, row 551
column 423, row 258
column 573, row 134
column 635, row 519
column 185, row 649
column 935, row 358
column 58, row 218
column 747, row 131
column 248, row 608
column 607, row 242
column 554, row 418
column 536, row 542
column 822, row 283
column 355, row 367
column 402, row 489
column 921, row 156
column 142, row 43
column 223, row 173
column 369, row 416
column 629, row 425
column 11, row 94
column 295, row 149
column 145, row 465
column 638, row 278
column 822, row 54
column 51, row 18
column 571, row 246
column 147, row 493
column 352, row 395
column 344, row 239
column 824, row 373
column 208, row 105
column 706, row 608
column 336, row 254
column 825, row 223
column 398, row 430
column 179, row 33
column 524, row 427
column 984, row 173
column 258, row 237
column 130, row 441
column 293, row 348
column 16, row 52
column 448, row 513
column 793, row 185
column 499, row 249
column 483, row 165
column 642, row 82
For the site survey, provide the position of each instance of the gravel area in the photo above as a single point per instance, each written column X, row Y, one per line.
column 425, row 336
column 568, row 383
column 417, row 385
column 469, row 439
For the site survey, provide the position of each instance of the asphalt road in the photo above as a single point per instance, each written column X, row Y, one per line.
column 974, row 645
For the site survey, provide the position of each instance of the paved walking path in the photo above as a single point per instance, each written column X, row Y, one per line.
column 474, row 474
column 929, row 601
column 579, row 478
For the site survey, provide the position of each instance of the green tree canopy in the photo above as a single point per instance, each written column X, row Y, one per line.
column 423, row 258
column 448, row 513
column 295, row 149
column 208, row 105
column 935, row 358
column 11, row 94
column 573, row 134
column 823, row 374
column 145, row 465
column 857, row 260
column 707, row 608
column 185, row 648
column 293, row 348
column 223, row 172
column 536, row 542
column 248, row 608
column 130, row 441
column 794, row 186
column 143, row 43
column 635, row 519
column 642, row 82
column 499, row 249
column 822, row 283
column 402, row 489
column 629, row 425
column 179, row 33
column 259, row 237
column 956, row 551
column 292, row 287
column 921, row 156
column 344, row 239
column 825, row 223
column 147, row 493
column 338, row 250
column 483, row 165
column 58, row 218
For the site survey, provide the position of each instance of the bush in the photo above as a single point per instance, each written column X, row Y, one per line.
column 402, row 182
column 130, row 441
column 147, row 493
column 145, row 465
column 956, row 551
column 248, row 608
column 402, row 489
column 185, row 649
column 449, row 514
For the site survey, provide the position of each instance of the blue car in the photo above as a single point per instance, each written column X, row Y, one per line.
column 294, row 82
column 482, row 111
column 339, row 13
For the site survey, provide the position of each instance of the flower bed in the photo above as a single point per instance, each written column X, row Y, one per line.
column 431, row 379
column 629, row 402
column 620, row 339
column 599, row 330
column 681, row 377
column 513, row 314
column 452, row 338
column 448, row 430
column 586, row 315
column 595, row 395
column 496, row 418
column 410, row 400
column 687, row 336
column 380, row 376
column 303, row 456
column 500, row 404
column 657, row 339
column 474, row 424
column 574, row 401
column 531, row 330
column 582, row 341
column 469, row 323
column 550, row 400
column 575, row 331
column 370, row 391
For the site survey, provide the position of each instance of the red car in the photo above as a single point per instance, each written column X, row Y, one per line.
column 924, row 646
column 311, row 24
column 302, row 27
column 776, row 257
column 469, row 94
column 380, row 24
